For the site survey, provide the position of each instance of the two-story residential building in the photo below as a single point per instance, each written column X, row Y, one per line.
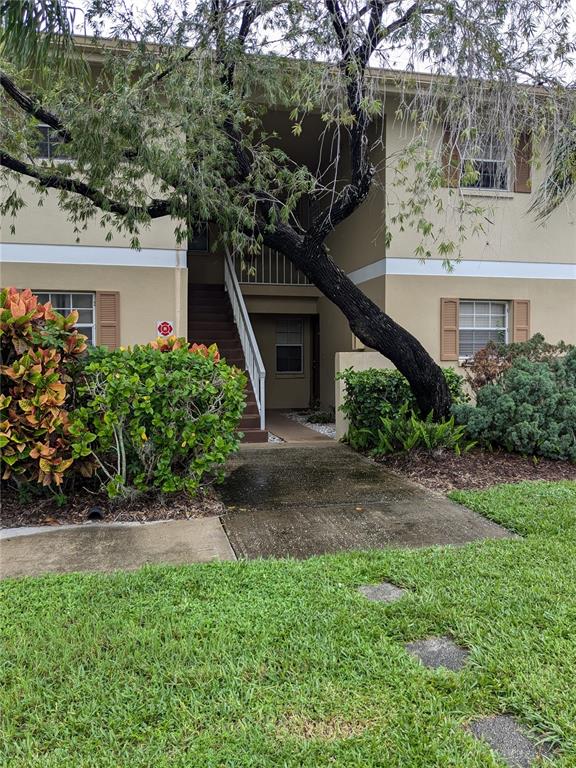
column 514, row 280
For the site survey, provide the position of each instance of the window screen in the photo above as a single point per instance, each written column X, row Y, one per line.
column 289, row 345
column 486, row 158
column 481, row 322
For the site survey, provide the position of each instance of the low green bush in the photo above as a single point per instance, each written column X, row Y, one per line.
column 530, row 409
column 404, row 431
column 164, row 418
column 377, row 394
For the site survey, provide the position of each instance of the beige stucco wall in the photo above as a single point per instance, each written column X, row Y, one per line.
column 359, row 361
column 414, row 302
column 510, row 230
column 147, row 294
column 283, row 390
column 47, row 224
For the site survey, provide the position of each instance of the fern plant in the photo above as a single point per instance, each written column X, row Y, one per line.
column 405, row 431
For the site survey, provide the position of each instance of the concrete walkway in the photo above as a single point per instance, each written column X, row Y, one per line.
column 283, row 500
column 291, row 431
column 298, row 501
column 112, row 547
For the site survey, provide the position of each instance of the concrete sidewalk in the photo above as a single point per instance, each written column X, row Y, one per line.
column 291, row 431
column 283, row 500
column 298, row 501
column 111, row 547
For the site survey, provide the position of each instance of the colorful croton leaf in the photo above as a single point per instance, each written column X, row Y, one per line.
column 38, row 347
column 169, row 343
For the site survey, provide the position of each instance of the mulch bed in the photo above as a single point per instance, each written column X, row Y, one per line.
column 84, row 506
column 476, row 469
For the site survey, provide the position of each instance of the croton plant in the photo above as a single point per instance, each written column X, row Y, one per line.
column 38, row 349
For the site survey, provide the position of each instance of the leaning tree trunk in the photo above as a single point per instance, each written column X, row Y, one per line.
column 373, row 326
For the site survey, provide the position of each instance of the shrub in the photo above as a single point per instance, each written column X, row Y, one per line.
column 40, row 349
column 530, row 409
column 375, row 394
column 165, row 415
column 405, row 431
column 489, row 363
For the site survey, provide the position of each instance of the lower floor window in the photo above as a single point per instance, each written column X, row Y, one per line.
column 289, row 345
column 64, row 303
column 481, row 322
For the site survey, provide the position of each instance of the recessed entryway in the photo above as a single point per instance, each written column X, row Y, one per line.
column 290, row 431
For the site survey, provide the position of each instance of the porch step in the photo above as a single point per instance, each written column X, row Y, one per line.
column 210, row 321
column 255, row 436
column 229, row 336
column 251, row 421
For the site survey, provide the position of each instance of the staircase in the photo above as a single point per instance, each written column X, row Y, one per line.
column 210, row 321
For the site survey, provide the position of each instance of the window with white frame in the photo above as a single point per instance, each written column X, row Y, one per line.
column 290, row 345
column 484, row 164
column 481, row 322
column 64, row 303
column 50, row 144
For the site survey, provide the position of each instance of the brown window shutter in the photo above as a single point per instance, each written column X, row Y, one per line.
column 522, row 182
column 449, row 321
column 108, row 319
column 450, row 160
column 520, row 320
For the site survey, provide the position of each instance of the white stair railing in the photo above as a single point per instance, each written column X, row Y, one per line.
column 252, row 357
column 268, row 267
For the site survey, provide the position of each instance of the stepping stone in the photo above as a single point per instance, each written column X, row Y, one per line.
column 436, row 652
column 382, row 593
column 506, row 737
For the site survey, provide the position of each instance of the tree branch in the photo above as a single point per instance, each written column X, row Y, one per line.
column 31, row 105
column 156, row 209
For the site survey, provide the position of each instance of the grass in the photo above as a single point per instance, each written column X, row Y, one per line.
column 284, row 663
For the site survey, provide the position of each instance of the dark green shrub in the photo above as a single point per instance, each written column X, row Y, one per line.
column 530, row 409
column 376, row 393
column 404, row 431
column 163, row 419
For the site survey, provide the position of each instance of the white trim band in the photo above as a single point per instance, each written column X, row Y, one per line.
column 533, row 270
column 94, row 255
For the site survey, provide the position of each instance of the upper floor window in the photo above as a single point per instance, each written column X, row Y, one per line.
column 484, row 164
column 290, row 345
column 481, row 322
column 50, row 144
column 64, row 303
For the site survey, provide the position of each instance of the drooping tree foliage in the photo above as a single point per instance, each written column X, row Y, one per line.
column 171, row 123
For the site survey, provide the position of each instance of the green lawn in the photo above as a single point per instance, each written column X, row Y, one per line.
column 283, row 663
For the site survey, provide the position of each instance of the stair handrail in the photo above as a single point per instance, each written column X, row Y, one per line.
column 252, row 356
